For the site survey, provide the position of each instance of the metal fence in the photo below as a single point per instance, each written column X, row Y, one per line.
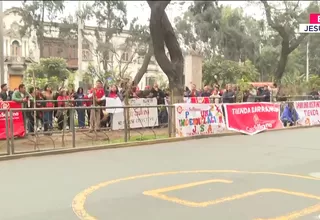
column 70, row 135
column 64, row 131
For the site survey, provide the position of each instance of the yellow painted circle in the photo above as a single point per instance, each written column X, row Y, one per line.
column 80, row 199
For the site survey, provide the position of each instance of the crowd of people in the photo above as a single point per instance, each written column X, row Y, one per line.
column 46, row 99
column 231, row 94
column 95, row 119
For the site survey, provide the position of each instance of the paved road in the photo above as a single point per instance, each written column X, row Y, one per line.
column 43, row 188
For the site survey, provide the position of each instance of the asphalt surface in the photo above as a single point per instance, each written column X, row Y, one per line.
column 43, row 188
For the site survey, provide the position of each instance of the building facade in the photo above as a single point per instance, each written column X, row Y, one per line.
column 21, row 51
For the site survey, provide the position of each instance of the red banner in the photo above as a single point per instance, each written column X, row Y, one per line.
column 17, row 117
column 197, row 100
column 252, row 118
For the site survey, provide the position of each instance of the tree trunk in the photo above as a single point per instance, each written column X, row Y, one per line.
column 282, row 61
column 163, row 34
column 143, row 69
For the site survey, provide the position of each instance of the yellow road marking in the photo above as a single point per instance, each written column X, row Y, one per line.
column 188, row 185
column 158, row 192
column 78, row 202
column 297, row 214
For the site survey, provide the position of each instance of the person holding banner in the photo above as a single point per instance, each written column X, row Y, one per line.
column 112, row 93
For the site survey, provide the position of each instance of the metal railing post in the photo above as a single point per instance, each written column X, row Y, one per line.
column 170, row 109
column 72, row 126
column 12, row 130
column 7, row 133
column 125, row 121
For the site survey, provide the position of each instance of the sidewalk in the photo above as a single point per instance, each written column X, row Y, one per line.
column 83, row 139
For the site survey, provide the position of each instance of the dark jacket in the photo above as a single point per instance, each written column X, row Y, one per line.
column 266, row 96
column 159, row 95
column 228, row 96
column 206, row 94
column 4, row 96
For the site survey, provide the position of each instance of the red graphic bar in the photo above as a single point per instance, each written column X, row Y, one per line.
column 314, row 19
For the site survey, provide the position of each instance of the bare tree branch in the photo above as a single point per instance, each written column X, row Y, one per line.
column 277, row 27
column 143, row 69
column 296, row 42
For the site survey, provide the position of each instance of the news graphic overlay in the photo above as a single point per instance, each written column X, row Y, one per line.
column 313, row 26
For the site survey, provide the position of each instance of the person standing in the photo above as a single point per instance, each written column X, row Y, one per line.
column 252, row 94
column 229, row 95
column 79, row 98
column 22, row 96
column 48, row 114
column 62, row 114
column 266, row 95
column 98, row 95
column 4, row 93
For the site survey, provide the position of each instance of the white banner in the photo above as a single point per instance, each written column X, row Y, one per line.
column 198, row 119
column 139, row 117
column 308, row 112
column 114, row 102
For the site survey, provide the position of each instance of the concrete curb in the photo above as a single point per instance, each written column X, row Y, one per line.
column 132, row 144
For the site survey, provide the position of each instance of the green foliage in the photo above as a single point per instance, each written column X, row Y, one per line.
column 226, row 71
column 49, row 70
column 54, row 82
column 223, row 32
column 217, row 30
column 94, row 72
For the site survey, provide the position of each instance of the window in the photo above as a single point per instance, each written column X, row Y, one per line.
column 72, row 52
column 125, row 57
column 15, row 49
column 59, row 51
column 85, row 54
column 150, row 81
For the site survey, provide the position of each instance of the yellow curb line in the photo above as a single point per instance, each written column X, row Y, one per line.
column 132, row 144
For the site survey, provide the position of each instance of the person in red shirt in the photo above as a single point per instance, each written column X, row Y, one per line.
column 48, row 114
column 98, row 95
column 62, row 102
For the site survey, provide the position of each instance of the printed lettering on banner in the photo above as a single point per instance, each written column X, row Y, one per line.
column 252, row 118
column 196, row 100
column 114, row 102
column 308, row 112
column 139, row 117
column 17, row 120
column 198, row 119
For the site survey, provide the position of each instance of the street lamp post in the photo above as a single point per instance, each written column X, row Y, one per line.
column 307, row 61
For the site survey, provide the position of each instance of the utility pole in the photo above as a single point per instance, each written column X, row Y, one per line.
column 1, row 45
column 79, row 47
column 307, row 61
